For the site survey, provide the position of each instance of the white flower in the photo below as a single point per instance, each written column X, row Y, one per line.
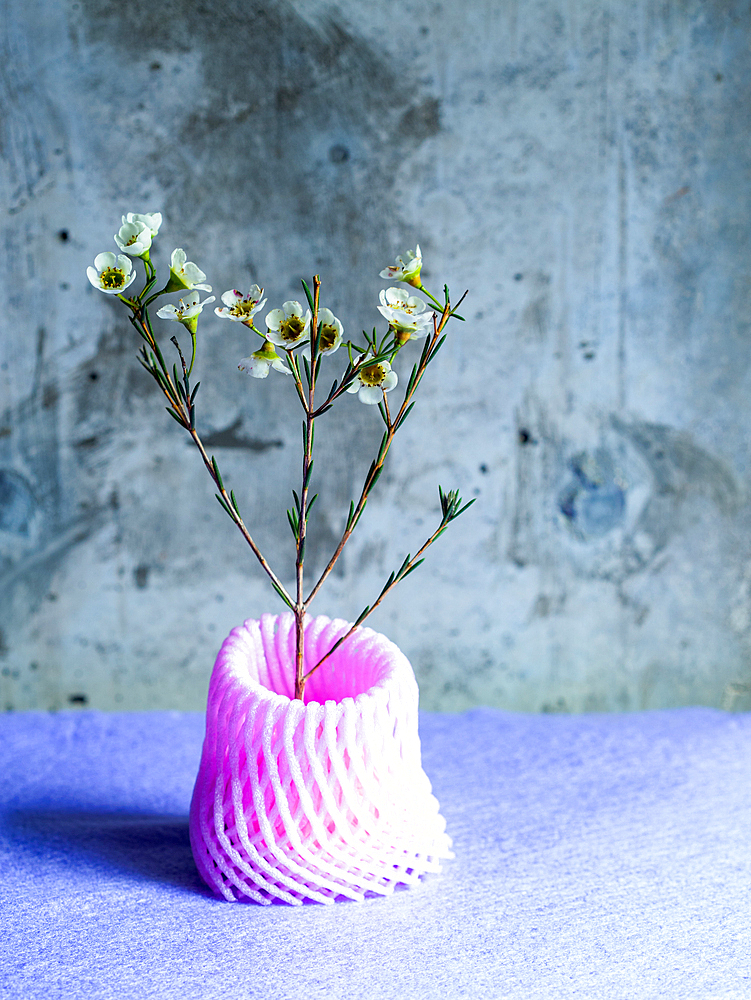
column 241, row 308
column 372, row 381
column 184, row 274
column 187, row 312
column 134, row 238
column 288, row 326
column 111, row 273
column 330, row 331
column 152, row 220
column 407, row 268
column 406, row 313
column 258, row 364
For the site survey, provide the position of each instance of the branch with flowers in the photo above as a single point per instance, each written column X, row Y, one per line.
column 305, row 337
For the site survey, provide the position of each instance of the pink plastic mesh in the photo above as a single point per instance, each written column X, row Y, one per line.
column 312, row 801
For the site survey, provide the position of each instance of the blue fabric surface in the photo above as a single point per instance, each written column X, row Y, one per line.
column 596, row 856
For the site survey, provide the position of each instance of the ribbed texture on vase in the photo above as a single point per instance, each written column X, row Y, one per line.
column 320, row 800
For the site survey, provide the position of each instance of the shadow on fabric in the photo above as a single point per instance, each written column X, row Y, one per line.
column 155, row 848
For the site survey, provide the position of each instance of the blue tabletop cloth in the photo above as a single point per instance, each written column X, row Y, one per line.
column 597, row 856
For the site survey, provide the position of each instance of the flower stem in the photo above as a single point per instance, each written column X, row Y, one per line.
column 407, row 566
column 307, row 461
column 424, row 290
column 377, row 465
column 183, row 409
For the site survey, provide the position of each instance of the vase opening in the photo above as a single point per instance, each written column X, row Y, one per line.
column 351, row 670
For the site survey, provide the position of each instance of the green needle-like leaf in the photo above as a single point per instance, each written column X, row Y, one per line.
column 466, row 505
column 218, row 474
column 292, row 522
column 412, row 568
column 363, row 615
column 425, row 353
column 308, row 295
column 221, row 501
column 437, row 348
column 405, row 414
column 283, row 596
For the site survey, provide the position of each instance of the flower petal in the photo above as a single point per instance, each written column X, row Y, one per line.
column 396, row 296
column 370, row 394
column 275, row 318
column 192, row 273
column 105, row 260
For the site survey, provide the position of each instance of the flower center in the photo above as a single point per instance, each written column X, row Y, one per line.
column 328, row 336
column 131, row 241
column 291, row 328
column 373, row 375
column 244, row 308
column 112, row 277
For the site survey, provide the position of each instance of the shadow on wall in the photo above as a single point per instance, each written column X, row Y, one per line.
column 314, row 129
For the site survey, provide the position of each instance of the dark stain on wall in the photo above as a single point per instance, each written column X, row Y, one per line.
column 229, row 437
column 17, row 503
column 593, row 502
column 589, row 490
column 287, row 104
column 679, row 465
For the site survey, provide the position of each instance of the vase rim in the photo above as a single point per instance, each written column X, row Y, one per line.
column 392, row 674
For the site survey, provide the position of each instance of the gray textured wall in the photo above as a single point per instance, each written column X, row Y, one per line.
column 582, row 167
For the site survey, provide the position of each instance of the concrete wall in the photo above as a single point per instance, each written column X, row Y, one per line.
column 582, row 167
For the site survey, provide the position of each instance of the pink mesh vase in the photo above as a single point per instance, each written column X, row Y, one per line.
column 316, row 801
